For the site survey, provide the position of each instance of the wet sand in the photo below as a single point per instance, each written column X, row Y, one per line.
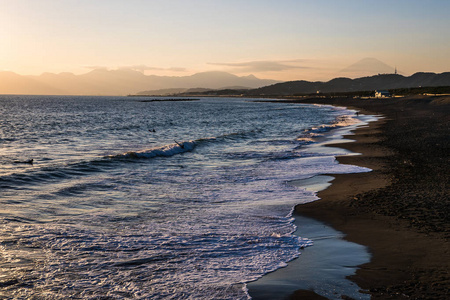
column 321, row 268
column 400, row 210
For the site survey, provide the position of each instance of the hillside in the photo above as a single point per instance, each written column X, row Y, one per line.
column 377, row 82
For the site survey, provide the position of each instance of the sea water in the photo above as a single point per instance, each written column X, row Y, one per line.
column 130, row 199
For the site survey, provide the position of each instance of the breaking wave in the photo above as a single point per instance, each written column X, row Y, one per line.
column 310, row 135
column 166, row 150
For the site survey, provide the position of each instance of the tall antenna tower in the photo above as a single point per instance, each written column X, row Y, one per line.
column 395, row 70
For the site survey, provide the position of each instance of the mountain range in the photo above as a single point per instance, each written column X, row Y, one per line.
column 127, row 81
column 118, row 82
column 377, row 82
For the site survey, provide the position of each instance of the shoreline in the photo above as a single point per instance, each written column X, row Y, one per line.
column 394, row 210
column 322, row 270
column 400, row 210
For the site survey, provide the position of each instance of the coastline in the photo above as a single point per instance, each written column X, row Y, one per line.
column 400, row 210
column 321, row 271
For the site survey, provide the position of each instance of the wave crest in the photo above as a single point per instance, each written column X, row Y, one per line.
column 309, row 135
column 166, row 150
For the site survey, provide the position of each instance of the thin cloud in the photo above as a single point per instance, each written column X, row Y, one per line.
column 264, row 65
column 143, row 68
column 96, row 67
column 175, row 69
column 140, row 68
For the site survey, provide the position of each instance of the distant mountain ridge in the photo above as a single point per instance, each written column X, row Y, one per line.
column 118, row 82
column 177, row 91
column 377, row 82
column 124, row 82
column 365, row 67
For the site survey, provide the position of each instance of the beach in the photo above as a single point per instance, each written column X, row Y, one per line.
column 98, row 213
column 400, row 210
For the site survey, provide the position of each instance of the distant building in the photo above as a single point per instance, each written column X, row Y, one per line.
column 382, row 94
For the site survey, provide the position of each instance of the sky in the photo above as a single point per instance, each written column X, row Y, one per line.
column 282, row 40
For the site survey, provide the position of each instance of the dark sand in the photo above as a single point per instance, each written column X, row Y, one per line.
column 400, row 210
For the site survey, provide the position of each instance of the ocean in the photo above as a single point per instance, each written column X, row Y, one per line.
column 130, row 199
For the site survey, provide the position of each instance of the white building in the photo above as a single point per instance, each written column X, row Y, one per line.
column 382, row 94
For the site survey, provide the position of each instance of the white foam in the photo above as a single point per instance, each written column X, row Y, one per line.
column 166, row 150
column 162, row 230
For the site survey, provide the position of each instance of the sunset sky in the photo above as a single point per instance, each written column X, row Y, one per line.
column 283, row 40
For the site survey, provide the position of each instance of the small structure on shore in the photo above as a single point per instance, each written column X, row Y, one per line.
column 382, row 94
